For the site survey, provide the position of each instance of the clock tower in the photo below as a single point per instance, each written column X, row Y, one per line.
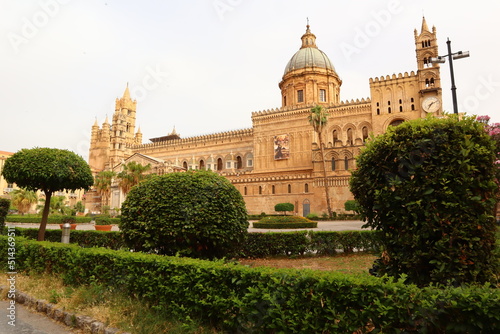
column 429, row 80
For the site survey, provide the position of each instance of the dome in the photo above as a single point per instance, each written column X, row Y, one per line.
column 309, row 57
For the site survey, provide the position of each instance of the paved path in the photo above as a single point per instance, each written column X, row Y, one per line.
column 28, row 322
column 337, row 225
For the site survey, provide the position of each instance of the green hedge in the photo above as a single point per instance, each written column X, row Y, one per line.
column 257, row 245
column 285, row 222
column 242, row 299
column 83, row 238
column 38, row 219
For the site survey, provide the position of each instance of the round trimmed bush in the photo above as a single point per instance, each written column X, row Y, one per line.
column 429, row 186
column 279, row 222
column 197, row 214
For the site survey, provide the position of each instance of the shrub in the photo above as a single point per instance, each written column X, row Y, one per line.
column 4, row 210
column 312, row 216
column 239, row 299
column 351, row 205
column 285, row 222
column 197, row 213
column 429, row 186
column 106, row 220
column 284, row 207
column 56, row 219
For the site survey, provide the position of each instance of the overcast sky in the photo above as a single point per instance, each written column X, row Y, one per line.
column 204, row 66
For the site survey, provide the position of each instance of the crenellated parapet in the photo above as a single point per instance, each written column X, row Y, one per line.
column 390, row 78
column 215, row 137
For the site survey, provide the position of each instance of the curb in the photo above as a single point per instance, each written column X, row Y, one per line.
column 81, row 322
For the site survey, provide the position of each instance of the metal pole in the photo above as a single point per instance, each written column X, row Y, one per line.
column 65, row 233
column 453, row 88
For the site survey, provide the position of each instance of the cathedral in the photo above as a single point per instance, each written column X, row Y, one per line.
column 279, row 159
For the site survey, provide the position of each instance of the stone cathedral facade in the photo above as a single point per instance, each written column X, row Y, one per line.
column 278, row 159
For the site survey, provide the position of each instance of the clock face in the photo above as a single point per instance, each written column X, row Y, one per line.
column 431, row 104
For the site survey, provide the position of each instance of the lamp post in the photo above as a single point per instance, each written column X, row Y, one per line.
column 451, row 56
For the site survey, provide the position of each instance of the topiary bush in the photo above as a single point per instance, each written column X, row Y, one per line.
column 197, row 214
column 429, row 187
column 284, row 207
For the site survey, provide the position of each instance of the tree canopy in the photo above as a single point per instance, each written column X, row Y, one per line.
column 429, row 187
column 48, row 170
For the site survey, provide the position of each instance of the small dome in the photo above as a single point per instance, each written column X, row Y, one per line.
column 309, row 57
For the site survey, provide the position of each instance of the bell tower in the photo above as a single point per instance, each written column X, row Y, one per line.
column 429, row 79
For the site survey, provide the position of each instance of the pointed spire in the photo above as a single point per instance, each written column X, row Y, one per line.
column 139, row 129
column 95, row 123
column 424, row 25
column 173, row 133
column 126, row 94
column 308, row 39
column 106, row 121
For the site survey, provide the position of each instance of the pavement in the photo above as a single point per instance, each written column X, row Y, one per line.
column 25, row 321
column 335, row 225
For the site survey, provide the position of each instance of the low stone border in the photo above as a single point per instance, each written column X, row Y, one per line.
column 82, row 322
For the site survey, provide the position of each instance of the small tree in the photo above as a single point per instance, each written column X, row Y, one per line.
column 318, row 118
column 284, row 207
column 23, row 199
column 429, row 187
column 48, row 170
column 197, row 213
column 351, row 205
column 102, row 183
column 131, row 175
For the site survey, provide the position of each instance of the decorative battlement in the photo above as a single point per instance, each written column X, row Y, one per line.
column 393, row 77
column 293, row 110
column 197, row 139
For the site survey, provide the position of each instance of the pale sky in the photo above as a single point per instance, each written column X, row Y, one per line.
column 204, row 66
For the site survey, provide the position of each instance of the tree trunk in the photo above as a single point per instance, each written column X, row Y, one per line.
column 330, row 213
column 45, row 216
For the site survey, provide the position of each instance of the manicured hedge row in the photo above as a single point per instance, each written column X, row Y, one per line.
column 241, row 299
column 257, row 245
column 83, row 238
column 38, row 219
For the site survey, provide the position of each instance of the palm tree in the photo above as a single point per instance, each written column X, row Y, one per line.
column 23, row 199
column 131, row 175
column 318, row 119
column 102, row 184
column 57, row 204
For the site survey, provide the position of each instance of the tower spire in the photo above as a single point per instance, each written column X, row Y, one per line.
column 424, row 25
column 126, row 94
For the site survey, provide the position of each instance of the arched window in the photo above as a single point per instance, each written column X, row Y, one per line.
column 289, row 188
column 306, row 188
column 185, row 165
column 364, row 133
column 273, row 189
column 202, row 164
column 219, row 164
column 245, row 191
column 333, row 163
column 346, row 163
column 239, row 162
column 335, row 136
column 396, row 122
column 349, row 137
column 260, row 190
